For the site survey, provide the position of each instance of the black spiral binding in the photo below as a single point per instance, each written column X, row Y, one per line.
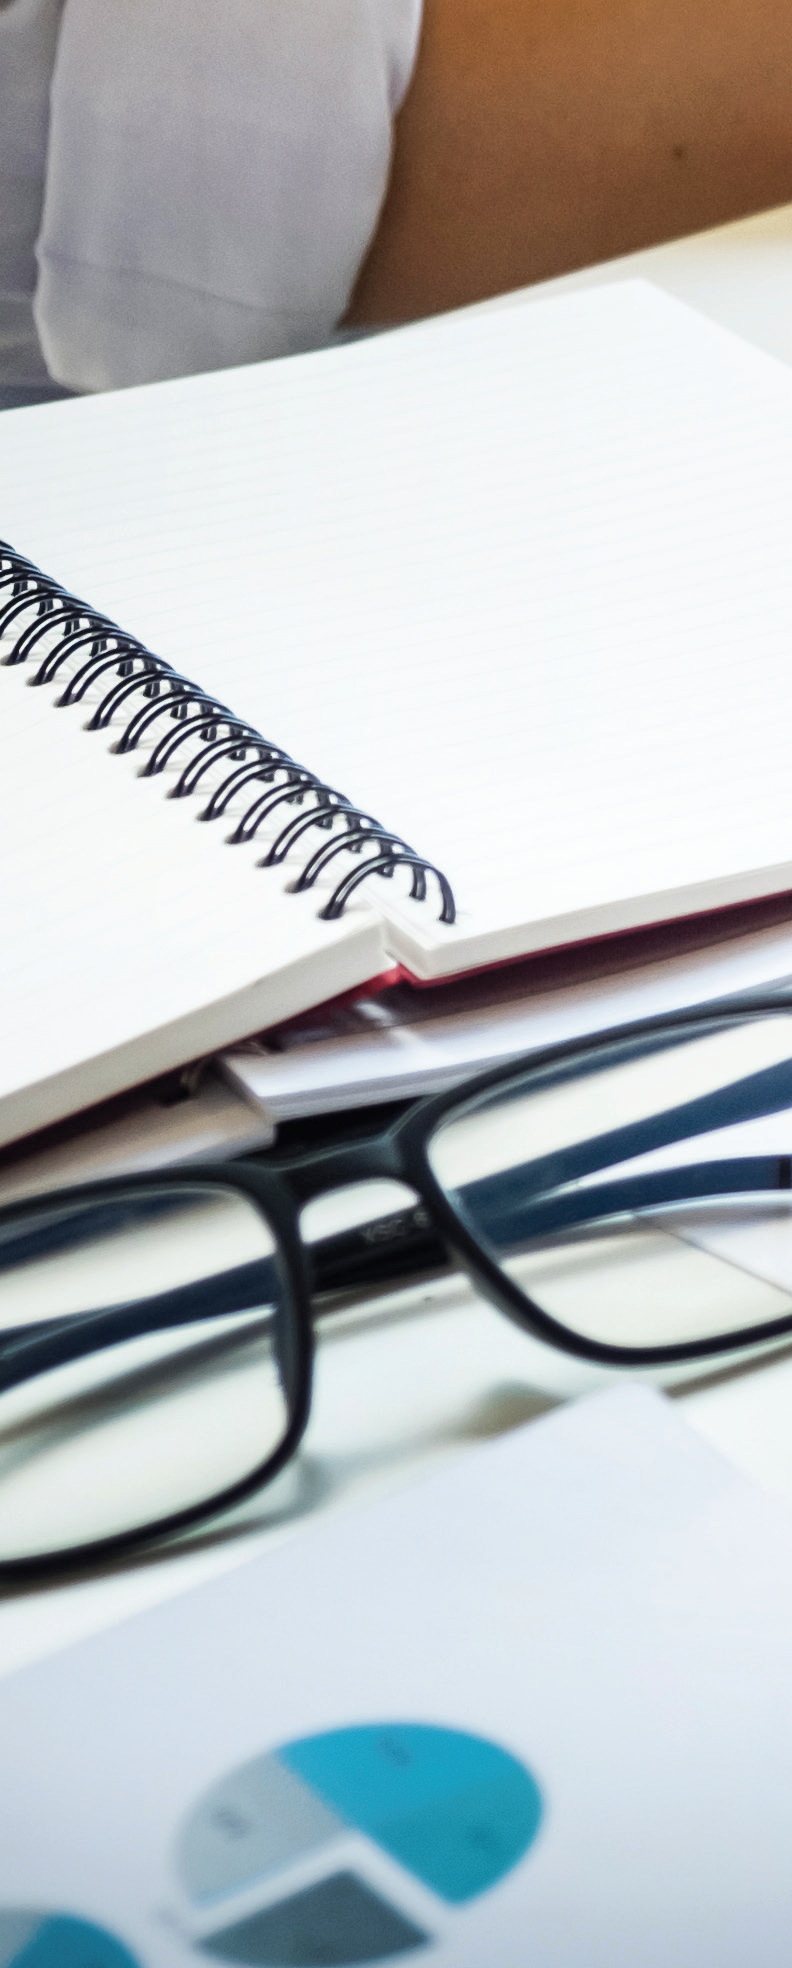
column 91, row 656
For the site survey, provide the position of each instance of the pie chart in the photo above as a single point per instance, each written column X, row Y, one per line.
column 32, row 1939
column 447, row 1811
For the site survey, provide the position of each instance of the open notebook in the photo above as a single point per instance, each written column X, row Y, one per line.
column 518, row 585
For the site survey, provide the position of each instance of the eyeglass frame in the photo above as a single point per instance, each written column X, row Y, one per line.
column 280, row 1189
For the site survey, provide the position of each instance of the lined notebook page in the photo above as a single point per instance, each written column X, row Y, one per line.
column 520, row 585
column 131, row 937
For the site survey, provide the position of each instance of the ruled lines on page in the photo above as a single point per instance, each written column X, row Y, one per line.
column 519, row 585
column 131, row 935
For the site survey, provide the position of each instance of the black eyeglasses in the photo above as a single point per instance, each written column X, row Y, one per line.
column 617, row 1198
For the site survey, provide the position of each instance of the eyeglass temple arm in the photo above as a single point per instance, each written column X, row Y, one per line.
column 26, row 1351
column 401, row 1244
column 518, row 1218
column 752, row 1098
column 404, row 1242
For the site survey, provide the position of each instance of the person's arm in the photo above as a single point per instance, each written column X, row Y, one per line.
column 542, row 135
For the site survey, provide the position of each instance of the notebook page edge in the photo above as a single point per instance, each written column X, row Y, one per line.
column 346, row 959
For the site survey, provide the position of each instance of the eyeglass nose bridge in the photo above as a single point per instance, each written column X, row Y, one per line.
column 381, row 1218
column 343, row 1165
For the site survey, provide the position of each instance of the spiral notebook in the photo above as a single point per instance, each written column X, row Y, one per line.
column 476, row 635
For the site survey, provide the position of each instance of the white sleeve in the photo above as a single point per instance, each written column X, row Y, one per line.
column 215, row 173
column 28, row 41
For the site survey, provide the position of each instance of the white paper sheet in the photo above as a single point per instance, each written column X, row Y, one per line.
column 372, row 1055
column 599, row 1597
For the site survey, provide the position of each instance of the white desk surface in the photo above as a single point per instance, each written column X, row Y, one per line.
column 416, row 1375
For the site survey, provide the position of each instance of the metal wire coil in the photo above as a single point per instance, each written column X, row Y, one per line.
column 175, row 722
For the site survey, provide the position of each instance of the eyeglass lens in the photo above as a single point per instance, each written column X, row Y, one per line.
column 631, row 1194
column 630, row 1197
column 140, row 1371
